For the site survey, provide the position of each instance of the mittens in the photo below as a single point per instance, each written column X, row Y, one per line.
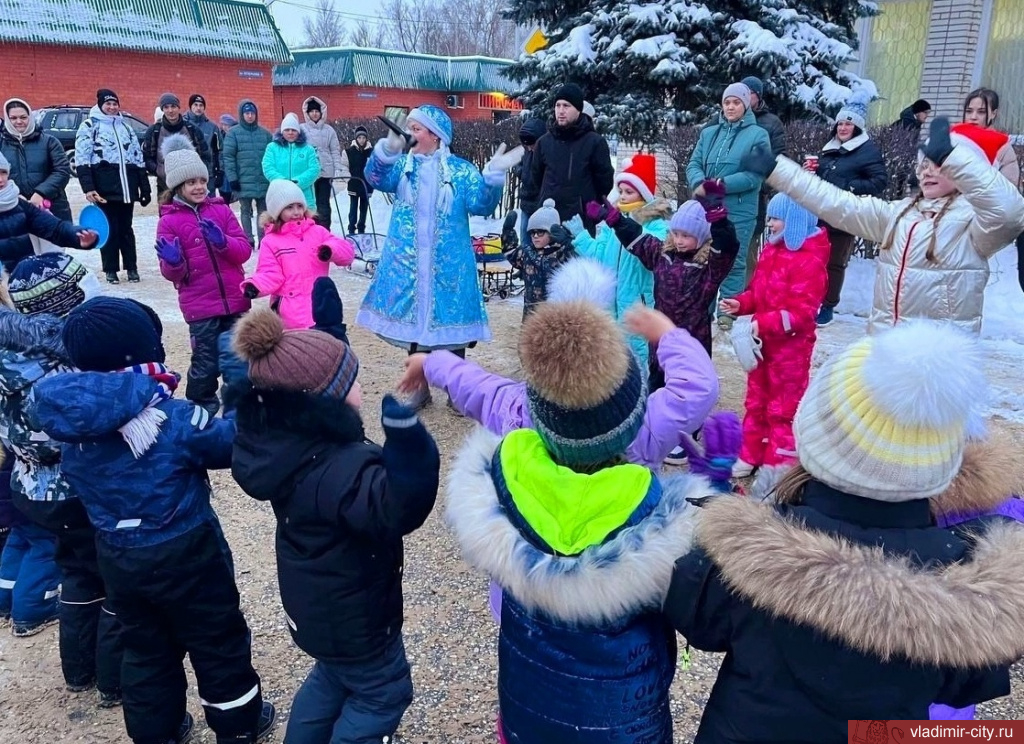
column 745, row 343
column 324, row 253
column 939, row 144
column 713, row 200
column 250, row 291
column 561, row 235
column 722, row 435
column 604, row 212
column 574, row 225
column 328, row 311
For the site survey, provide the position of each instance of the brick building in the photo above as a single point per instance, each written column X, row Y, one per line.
column 361, row 83
column 940, row 50
column 61, row 51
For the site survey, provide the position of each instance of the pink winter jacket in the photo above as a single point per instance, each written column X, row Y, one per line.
column 288, row 266
column 207, row 279
column 499, row 404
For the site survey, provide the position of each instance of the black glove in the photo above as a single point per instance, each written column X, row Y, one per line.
column 324, row 253
column 145, row 198
column 509, row 237
column 328, row 310
column 759, row 160
column 939, row 145
column 250, row 291
column 561, row 235
column 236, row 186
column 627, row 230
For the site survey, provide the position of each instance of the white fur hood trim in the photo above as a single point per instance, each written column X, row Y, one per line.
column 604, row 583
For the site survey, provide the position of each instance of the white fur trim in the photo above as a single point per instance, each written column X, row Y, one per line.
column 583, row 279
column 925, row 374
column 637, row 183
column 604, row 583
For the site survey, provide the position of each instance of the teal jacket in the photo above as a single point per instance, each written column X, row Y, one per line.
column 717, row 155
column 293, row 161
column 635, row 282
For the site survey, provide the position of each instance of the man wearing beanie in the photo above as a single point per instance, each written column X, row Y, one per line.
column 341, row 518
column 913, row 117
column 551, row 515
column 353, row 170
column 324, row 139
column 571, row 163
column 213, row 136
column 841, row 595
column 244, row 146
column 171, row 122
column 138, row 459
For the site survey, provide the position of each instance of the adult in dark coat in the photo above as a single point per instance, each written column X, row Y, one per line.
column 529, row 133
column 38, row 163
column 353, row 168
column 244, row 145
column 572, row 163
column 172, row 122
column 914, row 115
column 852, row 161
column 844, row 601
column 214, row 137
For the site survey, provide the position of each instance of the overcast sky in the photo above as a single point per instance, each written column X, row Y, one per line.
column 289, row 15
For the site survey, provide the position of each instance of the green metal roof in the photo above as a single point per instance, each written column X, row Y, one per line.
column 383, row 69
column 211, row 28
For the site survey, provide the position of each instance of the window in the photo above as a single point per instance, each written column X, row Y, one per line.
column 895, row 47
column 1004, row 60
column 67, row 120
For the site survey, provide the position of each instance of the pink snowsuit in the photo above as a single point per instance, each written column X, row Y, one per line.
column 784, row 295
column 288, row 266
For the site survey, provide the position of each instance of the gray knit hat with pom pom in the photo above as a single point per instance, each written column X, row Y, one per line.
column 181, row 161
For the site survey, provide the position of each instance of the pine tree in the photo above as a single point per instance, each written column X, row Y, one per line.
column 651, row 65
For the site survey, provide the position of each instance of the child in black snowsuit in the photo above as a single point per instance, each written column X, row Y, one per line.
column 343, row 505
column 551, row 246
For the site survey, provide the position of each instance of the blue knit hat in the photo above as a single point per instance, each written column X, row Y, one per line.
column 586, row 414
column 691, row 219
column 435, row 120
column 855, row 110
column 800, row 223
column 106, row 334
column 51, row 283
column 755, row 85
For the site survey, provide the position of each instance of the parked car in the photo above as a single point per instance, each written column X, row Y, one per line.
column 62, row 122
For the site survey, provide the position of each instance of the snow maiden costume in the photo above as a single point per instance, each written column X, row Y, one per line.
column 582, row 548
column 424, row 294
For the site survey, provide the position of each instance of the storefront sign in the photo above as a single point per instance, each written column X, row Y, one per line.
column 499, row 102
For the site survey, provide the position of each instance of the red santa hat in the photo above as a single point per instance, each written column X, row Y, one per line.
column 988, row 141
column 640, row 172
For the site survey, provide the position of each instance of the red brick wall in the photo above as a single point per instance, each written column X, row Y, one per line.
column 47, row 75
column 344, row 101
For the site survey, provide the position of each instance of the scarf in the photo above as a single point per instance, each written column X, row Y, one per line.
column 142, row 431
column 446, row 194
column 9, row 195
column 173, row 128
column 628, row 207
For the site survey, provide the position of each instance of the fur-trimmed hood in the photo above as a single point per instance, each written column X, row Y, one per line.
column 280, row 140
column 625, row 575
column 967, row 614
column 991, row 472
column 659, row 209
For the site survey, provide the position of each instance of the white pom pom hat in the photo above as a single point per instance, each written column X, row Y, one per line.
column 887, row 418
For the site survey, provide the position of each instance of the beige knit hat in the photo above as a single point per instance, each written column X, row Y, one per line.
column 280, row 194
column 304, row 361
column 181, row 161
column 888, row 417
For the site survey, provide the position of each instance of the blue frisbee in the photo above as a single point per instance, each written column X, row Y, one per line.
column 92, row 218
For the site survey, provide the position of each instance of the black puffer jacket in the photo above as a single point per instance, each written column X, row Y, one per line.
column 343, row 505
column 800, row 600
column 26, row 219
column 39, row 165
column 528, row 188
column 856, row 166
column 771, row 123
column 573, row 166
column 154, row 158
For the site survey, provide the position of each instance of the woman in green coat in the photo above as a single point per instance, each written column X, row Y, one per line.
column 717, row 156
column 291, row 158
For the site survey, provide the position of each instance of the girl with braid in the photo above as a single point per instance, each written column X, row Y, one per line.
column 935, row 246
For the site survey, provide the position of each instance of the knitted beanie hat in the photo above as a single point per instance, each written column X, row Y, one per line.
column 754, row 84
column 571, row 94
column 110, row 333
column 920, row 106
column 52, row 283
column 169, row 99
column 737, row 90
column 586, row 413
column 640, row 172
column 888, row 417
column 360, row 130
column 800, row 223
column 181, row 161
column 691, row 219
column 248, row 107
column 290, row 121
column 104, row 95
column 544, row 217
column 196, row 98
column 280, row 194
column 435, row 120
column 855, row 110
column 303, row 361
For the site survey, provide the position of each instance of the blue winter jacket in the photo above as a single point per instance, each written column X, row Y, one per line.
column 132, row 502
column 584, row 654
column 25, row 219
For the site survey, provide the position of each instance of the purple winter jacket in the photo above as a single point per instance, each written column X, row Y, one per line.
column 208, row 280
column 499, row 404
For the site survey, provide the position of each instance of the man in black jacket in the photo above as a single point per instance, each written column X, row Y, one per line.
column 530, row 132
column 172, row 122
column 572, row 164
column 914, row 115
column 353, row 167
column 213, row 135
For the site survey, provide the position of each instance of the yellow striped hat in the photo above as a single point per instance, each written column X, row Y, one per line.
column 887, row 418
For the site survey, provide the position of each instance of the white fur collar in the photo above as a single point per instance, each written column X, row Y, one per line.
column 628, row 574
column 850, row 145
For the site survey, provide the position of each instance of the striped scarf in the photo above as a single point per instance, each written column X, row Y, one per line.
column 142, row 431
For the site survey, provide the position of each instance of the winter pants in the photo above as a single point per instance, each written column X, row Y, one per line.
column 838, row 260
column 245, row 210
column 29, row 577
column 352, row 703
column 121, row 243
column 323, row 192
column 174, row 598
column 204, row 337
column 358, row 206
column 736, row 281
column 90, row 635
column 774, row 390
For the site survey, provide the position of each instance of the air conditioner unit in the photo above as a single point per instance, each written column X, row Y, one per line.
column 454, row 101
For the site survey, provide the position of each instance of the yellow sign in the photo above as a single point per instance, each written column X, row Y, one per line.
column 535, row 42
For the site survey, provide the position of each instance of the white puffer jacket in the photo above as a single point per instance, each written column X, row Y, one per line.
column 324, row 139
column 985, row 217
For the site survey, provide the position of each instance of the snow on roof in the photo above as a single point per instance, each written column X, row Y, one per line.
column 387, row 69
column 208, row 28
